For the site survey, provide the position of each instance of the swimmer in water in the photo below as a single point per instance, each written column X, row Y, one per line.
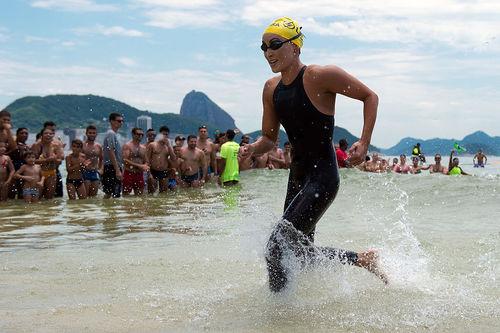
column 415, row 167
column 302, row 99
column 437, row 167
column 453, row 168
column 479, row 159
column 402, row 167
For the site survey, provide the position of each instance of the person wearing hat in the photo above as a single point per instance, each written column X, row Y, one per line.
column 302, row 99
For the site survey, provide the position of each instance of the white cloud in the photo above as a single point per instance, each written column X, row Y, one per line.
column 73, row 5
column 128, row 62
column 170, row 14
column 158, row 91
column 416, row 96
column 170, row 19
column 452, row 22
column 178, row 3
column 109, row 31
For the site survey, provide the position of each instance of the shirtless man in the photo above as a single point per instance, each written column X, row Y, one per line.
column 134, row 158
column 5, row 131
column 208, row 147
column 415, row 168
column 194, row 161
column 437, row 167
column 244, row 163
column 75, row 165
column 93, row 161
column 6, row 171
column 276, row 157
column 150, row 136
column 179, row 141
column 220, row 139
column 17, row 156
column 245, row 140
column 31, row 176
column 374, row 164
column 157, row 157
column 49, row 155
column 402, row 167
column 57, row 141
column 479, row 160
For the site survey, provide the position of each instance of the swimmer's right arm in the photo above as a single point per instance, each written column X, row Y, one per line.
column 270, row 124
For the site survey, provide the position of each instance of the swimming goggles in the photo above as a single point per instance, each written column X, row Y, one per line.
column 276, row 44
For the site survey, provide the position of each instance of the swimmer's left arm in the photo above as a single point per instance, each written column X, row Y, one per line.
column 270, row 123
column 337, row 81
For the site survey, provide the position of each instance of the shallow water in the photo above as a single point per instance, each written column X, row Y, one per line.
column 193, row 260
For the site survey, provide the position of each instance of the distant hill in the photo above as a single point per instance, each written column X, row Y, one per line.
column 197, row 105
column 78, row 111
column 472, row 142
column 338, row 133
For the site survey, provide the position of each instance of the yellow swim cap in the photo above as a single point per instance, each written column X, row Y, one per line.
column 286, row 28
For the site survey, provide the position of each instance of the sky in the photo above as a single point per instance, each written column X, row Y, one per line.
column 435, row 64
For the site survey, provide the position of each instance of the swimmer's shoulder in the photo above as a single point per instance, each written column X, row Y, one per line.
column 322, row 71
column 272, row 83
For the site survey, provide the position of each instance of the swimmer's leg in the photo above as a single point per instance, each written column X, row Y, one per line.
column 299, row 219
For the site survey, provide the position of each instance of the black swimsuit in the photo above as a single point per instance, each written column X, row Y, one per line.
column 312, row 185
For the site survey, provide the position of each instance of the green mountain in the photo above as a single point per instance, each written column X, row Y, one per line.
column 472, row 142
column 197, row 105
column 78, row 111
column 338, row 133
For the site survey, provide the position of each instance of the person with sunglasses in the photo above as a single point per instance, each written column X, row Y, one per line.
column 135, row 164
column 302, row 99
column 437, row 167
column 112, row 157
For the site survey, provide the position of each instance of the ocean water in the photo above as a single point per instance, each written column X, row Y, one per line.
column 193, row 260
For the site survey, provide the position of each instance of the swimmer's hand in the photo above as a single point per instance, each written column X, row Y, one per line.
column 246, row 150
column 357, row 153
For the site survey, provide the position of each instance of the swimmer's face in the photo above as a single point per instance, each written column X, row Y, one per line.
column 415, row 161
column 403, row 159
column 455, row 162
column 395, row 160
column 288, row 147
column 282, row 57
column 437, row 158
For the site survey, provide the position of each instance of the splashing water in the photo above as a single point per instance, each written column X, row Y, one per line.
column 191, row 261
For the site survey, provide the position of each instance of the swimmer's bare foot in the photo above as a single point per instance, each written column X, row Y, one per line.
column 369, row 260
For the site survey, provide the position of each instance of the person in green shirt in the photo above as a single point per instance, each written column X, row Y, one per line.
column 230, row 172
column 453, row 168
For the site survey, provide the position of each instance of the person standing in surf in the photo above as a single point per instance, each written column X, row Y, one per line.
column 302, row 99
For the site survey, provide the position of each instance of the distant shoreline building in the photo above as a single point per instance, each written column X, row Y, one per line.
column 145, row 123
